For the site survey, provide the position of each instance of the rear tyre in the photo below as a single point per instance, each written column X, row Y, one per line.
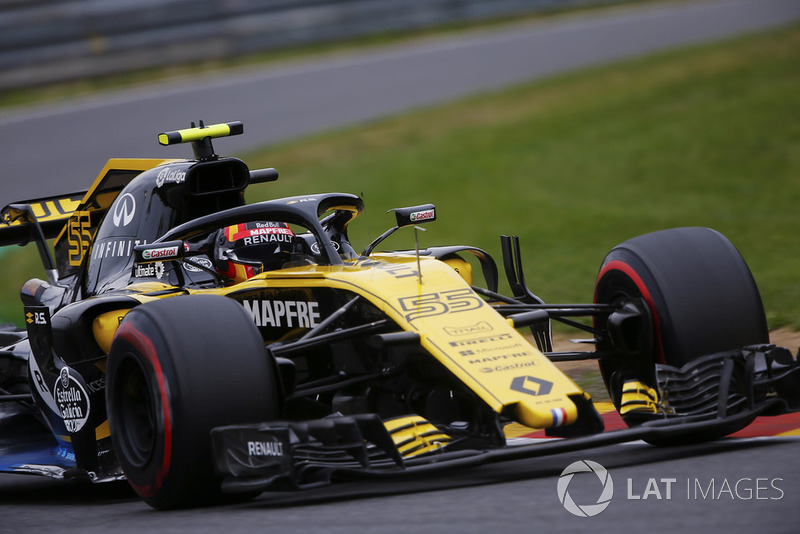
column 177, row 368
column 700, row 293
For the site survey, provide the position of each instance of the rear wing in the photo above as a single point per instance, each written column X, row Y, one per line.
column 17, row 220
column 54, row 217
column 72, row 220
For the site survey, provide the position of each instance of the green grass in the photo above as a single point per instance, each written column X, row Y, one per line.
column 19, row 264
column 576, row 164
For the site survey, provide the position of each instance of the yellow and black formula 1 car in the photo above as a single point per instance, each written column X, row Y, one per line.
column 197, row 345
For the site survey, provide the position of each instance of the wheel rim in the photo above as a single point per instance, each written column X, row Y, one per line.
column 137, row 421
column 612, row 288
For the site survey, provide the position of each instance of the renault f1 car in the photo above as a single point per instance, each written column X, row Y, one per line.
column 159, row 352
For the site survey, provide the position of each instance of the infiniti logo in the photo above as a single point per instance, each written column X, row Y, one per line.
column 124, row 210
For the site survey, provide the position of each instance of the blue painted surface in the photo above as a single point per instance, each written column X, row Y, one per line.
column 56, row 456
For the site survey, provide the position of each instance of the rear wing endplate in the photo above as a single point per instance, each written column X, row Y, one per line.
column 52, row 213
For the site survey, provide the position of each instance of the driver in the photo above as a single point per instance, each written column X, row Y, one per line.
column 244, row 250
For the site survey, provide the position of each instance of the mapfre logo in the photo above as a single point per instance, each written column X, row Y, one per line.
column 566, row 479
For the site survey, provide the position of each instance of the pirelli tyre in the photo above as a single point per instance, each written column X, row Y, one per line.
column 177, row 368
column 701, row 297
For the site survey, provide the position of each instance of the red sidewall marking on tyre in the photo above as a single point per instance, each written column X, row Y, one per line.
column 617, row 265
column 133, row 336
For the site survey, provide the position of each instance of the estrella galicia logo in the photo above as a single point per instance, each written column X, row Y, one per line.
column 124, row 210
column 72, row 401
column 585, row 510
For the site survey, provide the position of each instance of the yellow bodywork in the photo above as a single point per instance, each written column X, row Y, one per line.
column 638, row 397
column 455, row 325
column 105, row 326
column 414, row 435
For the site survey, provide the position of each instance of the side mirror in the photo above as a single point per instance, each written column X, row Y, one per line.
column 415, row 215
column 409, row 216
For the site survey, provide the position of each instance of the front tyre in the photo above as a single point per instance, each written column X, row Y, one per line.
column 177, row 368
column 700, row 293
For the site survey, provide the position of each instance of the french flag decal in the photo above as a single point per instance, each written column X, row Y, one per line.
column 559, row 416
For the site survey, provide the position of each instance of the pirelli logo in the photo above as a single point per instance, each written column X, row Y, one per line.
column 481, row 340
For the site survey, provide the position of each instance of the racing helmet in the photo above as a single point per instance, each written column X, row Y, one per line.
column 244, row 250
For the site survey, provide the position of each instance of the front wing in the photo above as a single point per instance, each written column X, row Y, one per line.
column 717, row 395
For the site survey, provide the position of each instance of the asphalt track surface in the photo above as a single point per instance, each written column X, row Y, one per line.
column 761, row 475
column 58, row 149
